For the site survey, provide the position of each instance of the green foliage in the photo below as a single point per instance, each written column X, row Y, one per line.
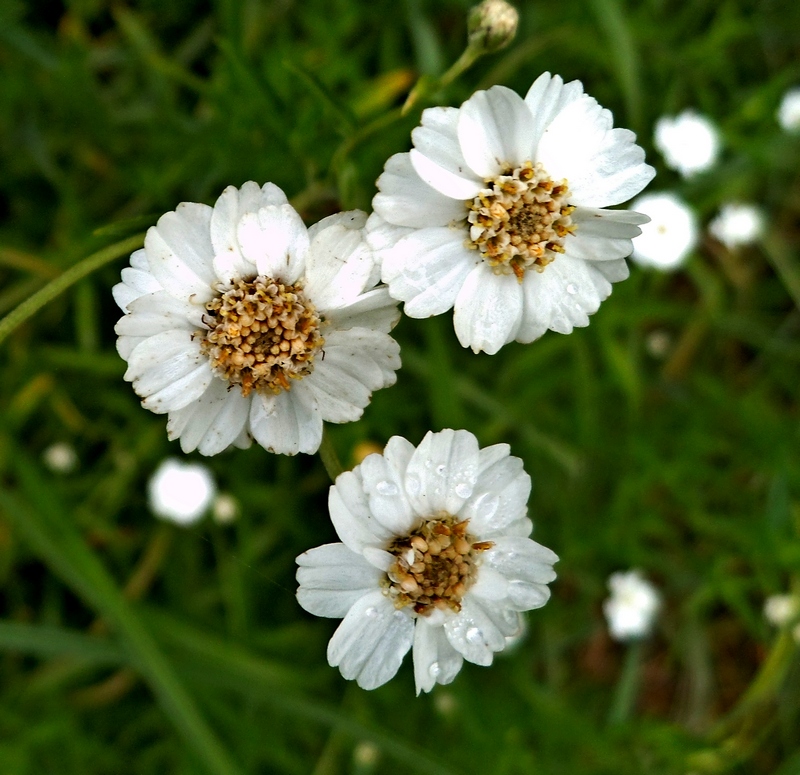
column 684, row 463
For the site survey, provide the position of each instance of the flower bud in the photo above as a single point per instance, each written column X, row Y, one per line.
column 492, row 25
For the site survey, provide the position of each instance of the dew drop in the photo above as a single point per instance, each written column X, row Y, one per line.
column 429, row 463
column 386, row 488
column 434, row 669
column 413, row 485
column 474, row 636
column 572, row 289
column 463, row 489
column 371, row 612
column 486, row 506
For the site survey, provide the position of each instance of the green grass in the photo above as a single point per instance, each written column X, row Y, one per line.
column 686, row 466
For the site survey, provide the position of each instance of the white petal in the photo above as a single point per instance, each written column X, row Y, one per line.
column 613, row 271
column 180, row 254
column 340, row 396
column 427, row 270
column 350, row 219
column 490, row 584
column 369, row 356
column 371, row 641
column 444, row 181
column 349, row 509
column 442, row 473
column 136, row 281
column 386, row 492
column 473, row 634
column 158, row 312
column 287, row 423
column 382, row 235
column 435, row 660
column 405, row 200
column 488, row 309
column 495, row 131
column 525, row 597
column 332, row 579
column 375, row 309
column 520, row 559
column 546, row 98
column 276, row 240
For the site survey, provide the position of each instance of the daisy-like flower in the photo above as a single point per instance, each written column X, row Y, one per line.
column 498, row 213
column 689, row 142
column 670, row 236
column 737, row 225
column 435, row 557
column 180, row 492
column 240, row 323
column 633, row 606
column 789, row 111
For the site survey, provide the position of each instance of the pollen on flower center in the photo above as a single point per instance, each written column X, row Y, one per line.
column 520, row 220
column 261, row 334
column 434, row 566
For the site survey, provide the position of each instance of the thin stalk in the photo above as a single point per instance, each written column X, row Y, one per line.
column 327, row 453
column 628, row 685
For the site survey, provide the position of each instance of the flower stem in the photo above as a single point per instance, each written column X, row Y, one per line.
column 628, row 685
column 33, row 304
column 330, row 459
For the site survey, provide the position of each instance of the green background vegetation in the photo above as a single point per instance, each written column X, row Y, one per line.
column 131, row 646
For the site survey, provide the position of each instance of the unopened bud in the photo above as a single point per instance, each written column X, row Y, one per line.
column 492, row 25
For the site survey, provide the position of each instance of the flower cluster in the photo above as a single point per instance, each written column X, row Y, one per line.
column 240, row 323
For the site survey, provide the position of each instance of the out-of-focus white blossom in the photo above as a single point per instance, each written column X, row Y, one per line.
column 225, row 508
column 689, row 142
column 60, row 458
column 632, row 607
column 789, row 110
column 180, row 492
column 780, row 610
column 737, row 224
column 671, row 234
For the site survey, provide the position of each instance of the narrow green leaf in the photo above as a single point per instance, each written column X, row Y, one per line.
column 45, row 641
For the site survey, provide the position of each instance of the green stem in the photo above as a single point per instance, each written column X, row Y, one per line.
column 34, row 303
column 330, row 459
column 628, row 685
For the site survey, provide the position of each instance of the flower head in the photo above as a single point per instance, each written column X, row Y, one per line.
column 789, row 110
column 180, row 492
column 688, row 142
column 780, row 610
column 498, row 213
column 434, row 557
column 240, row 323
column 492, row 25
column 632, row 607
column 737, row 224
column 61, row 457
column 670, row 236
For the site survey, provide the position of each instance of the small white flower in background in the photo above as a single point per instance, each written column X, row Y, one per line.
column 497, row 212
column 658, row 343
column 688, row 142
column 435, row 558
column 670, row 236
column 780, row 610
column 225, row 508
column 180, row 492
column 632, row 607
column 789, row 110
column 60, row 458
column 241, row 323
column 737, row 224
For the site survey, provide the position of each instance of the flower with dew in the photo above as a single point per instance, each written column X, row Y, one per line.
column 435, row 557
column 689, row 142
column 632, row 608
column 241, row 323
column 498, row 212
column 671, row 234
column 789, row 111
column 180, row 492
column 737, row 225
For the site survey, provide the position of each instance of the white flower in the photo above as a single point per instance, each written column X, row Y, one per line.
column 780, row 610
column 737, row 224
column 180, row 492
column 241, row 323
column 689, row 142
column 632, row 608
column 789, row 110
column 225, row 509
column 435, row 558
column 60, row 457
column 670, row 236
column 496, row 212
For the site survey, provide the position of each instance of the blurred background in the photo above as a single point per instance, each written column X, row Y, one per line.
column 663, row 437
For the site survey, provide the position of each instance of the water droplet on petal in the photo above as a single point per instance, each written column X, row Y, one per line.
column 429, row 463
column 486, row 506
column 434, row 669
column 463, row 489
column 440, row 469
column 413, row 485
column 474, row 636
column 386, row 488
column 572, row 289
column 371, row 612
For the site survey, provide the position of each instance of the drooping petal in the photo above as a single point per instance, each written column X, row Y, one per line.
column 442, row 472
column 495, row 131
column 332, row 579
column 488, row 309
column 275, row 239
column 405, row 200
column 287, row 423
column 435, row 660
column 370, row 643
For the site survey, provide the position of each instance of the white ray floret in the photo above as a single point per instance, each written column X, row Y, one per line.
column 670, row 236
column 499, row 213
column 632, row 608
column 180, row 492
column 689, row 142
column 435, row 558
column 240, row 323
